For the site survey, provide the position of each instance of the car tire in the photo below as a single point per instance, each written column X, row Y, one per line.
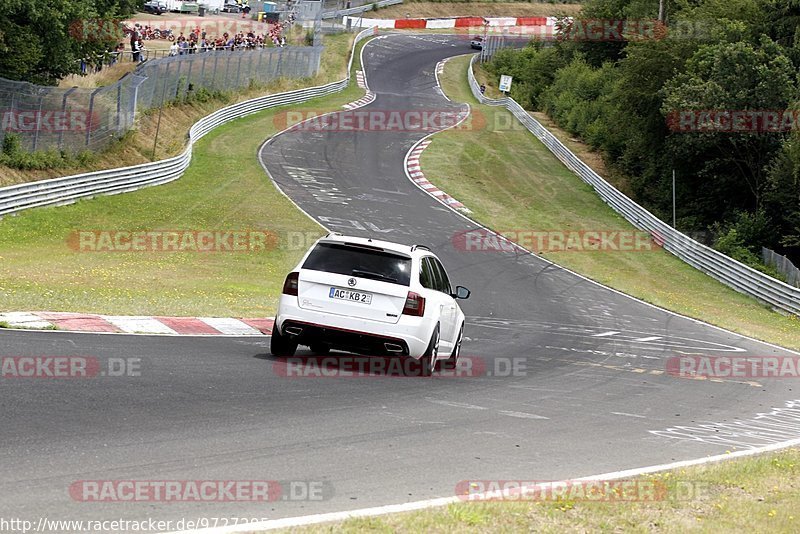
column 428, row 360
column 451, row 362
column 280, row 345
column 320, row 348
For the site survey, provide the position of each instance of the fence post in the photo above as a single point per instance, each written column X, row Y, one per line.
column 38, row 123
column 63, row 113
column 188, row 77
column 227, row 69
column 238, row 70
column 214, row 78
column 91, row 113
column 203, row 70
column 119, row 105
column 177, row 78
column 258, row 66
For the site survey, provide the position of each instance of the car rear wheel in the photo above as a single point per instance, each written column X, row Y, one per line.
column 280, row 345
column 451, row 362
column 428, row 360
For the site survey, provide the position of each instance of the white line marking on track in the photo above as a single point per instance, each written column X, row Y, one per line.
column 522, row 415
column 629, row 415
column 604, row 334
column 650, row 338
column 457, row 404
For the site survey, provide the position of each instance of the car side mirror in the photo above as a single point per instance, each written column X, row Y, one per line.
column 461, row 293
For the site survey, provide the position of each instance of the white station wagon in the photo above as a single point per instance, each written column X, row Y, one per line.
column 370, row 297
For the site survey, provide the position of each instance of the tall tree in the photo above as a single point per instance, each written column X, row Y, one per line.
column 43, row 41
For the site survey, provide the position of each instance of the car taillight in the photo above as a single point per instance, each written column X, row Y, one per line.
column 290, row 285
column 415, row 305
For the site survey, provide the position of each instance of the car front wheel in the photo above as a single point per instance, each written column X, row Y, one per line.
column 280, row 345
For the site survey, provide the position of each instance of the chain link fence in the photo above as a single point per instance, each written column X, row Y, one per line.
column 76, row 119
column 783, row 265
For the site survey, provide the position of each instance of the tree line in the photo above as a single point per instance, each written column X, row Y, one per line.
column 42, row 41
column 709, row 90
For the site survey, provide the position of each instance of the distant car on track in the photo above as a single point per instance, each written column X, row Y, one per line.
column 476, row 43
column 370, row 297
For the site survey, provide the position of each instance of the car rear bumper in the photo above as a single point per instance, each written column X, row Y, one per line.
column 408, row 337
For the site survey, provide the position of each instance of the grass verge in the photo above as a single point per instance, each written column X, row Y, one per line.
column 511, row 181
column 757, row 494
column 224, row 189
column 137, row 145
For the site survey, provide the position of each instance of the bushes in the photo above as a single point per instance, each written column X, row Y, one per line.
column 15, row 157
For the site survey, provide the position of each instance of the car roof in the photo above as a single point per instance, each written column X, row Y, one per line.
column 409, row 250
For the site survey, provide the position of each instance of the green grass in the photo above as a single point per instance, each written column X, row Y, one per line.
column 225, row 188
column 512, row 182
column 757, row 494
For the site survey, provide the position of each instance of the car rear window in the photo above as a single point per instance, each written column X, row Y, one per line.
column 362, row 262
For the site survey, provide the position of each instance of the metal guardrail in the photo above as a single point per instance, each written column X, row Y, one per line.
column 715, row 264
column 360, row 9
column 68, row 189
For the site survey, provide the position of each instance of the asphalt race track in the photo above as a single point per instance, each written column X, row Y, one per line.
column 590, row 394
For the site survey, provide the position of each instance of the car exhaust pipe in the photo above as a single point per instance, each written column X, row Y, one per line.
column 392, row 347
column 293, row 330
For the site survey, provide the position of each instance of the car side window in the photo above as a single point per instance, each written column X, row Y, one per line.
column 426, row 277
column 444, row 282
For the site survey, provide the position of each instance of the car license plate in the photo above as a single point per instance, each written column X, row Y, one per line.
column 350, row 296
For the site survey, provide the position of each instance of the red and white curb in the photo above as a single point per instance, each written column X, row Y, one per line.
column 138, row 324
column 368, row 98
column 415, row 173
column 361, row 81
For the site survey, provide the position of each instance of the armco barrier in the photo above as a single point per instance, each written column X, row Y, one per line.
column 727, row 270
column 68, row 189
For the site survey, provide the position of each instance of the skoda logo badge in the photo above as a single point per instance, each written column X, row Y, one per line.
column 351, row 282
